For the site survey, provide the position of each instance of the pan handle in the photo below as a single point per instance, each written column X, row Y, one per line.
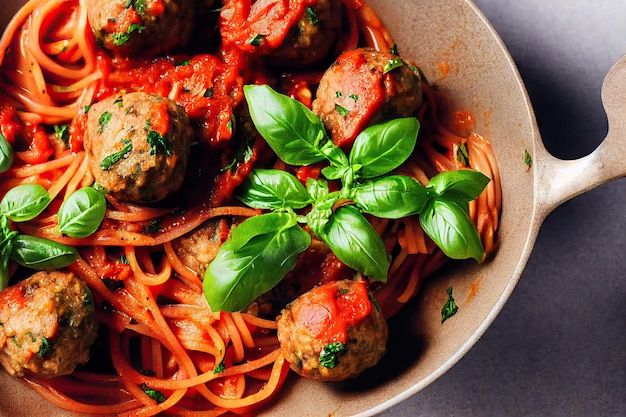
column 560, row 180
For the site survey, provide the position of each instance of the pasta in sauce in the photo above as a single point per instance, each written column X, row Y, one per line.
column 148, row 296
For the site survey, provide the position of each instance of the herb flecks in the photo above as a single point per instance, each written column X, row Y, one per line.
column 103, row 120
column 450, row 308
column 110, row 160
column 330, row 353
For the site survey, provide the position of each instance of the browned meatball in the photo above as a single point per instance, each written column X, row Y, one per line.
column 138, row 146
column 333, row 332
column 47, row 324
column 365, row 87
column 199, row 247
column 310, row 40
column 138, row 27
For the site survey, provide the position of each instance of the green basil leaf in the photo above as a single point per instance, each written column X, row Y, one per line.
column 253, row 260
column 321, row 211
column 355, row 242
column 317, row 188
column 289, row 127
column 384, row 147
column 42, row 254
column 461, row 186
column 6, row 154
column 273, row 189
column 391, row 197
column 449, row 226
column 24, row 202
column 82, row 212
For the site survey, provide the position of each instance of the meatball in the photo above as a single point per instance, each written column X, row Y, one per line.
column 138, row 146
column 294, row 33
column 333, row 332
column 47, row 326
column 135, row 27
column 365, row 87
column 311, row 38
column 199, row 247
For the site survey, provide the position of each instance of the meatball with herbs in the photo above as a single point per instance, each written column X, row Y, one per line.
column 138, row 146
column 140, row 27
column 47, row 325
column 365, row 87
column 310, row 39
column 333, row 332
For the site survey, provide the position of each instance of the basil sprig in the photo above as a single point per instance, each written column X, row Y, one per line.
column 262, row 249
column 19, row 204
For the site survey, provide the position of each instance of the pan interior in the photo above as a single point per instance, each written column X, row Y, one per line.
column 459, row 52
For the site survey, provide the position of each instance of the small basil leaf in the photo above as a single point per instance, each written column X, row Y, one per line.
column 242, row 271
column 355, row 242
column 391, row 197
column 24, row 202
column 42, row 254
column 462, row 186
column 334, row 173
column 317, row 188
column 321, row 211
column 82, row 212
column 289, row 127
column 449, row 226
column 6, row 154
column 273, row 189
column 384, row 147
column 334, row 154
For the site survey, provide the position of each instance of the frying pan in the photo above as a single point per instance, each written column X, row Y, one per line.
column 458, row 50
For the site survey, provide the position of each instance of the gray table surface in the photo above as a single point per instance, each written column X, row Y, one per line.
column 558, row 348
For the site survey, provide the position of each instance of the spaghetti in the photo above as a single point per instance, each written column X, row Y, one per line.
column 167, row 352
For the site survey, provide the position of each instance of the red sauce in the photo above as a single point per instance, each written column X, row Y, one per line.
column 362, row 96
column 241, row 21
column 327, row 312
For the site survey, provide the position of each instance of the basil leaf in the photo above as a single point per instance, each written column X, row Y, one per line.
column 82, row 212
column 462, row 186
column 321, row 211
column 42, row 254
column 24, row 202
column 384, row 147
column 391, row 197
column 449, row 226
column 253, row 260
column 355, row 242
column 6, row 154
column 289, row 127
column 450, row 308
column 273, row 189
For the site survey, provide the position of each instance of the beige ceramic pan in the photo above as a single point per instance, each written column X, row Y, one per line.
column 459, row 52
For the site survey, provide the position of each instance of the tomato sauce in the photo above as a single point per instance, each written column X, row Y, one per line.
column 327, row 311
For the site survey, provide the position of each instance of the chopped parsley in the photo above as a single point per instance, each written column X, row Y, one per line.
column 119, row 102
column 394, row 49
column 528, row 160
column 392, row 64
column 328, row 355
column 138, row 5
column 159, row 144
column 62, row 133
column 256, row 40
column 110, row 160
column 449, row 308
column 312, row 16
column 342, row 110
column 219, row 368
column 462, row 154
column 43, row 348
column 154, row 394
column 104, row 120
column 208, row 93
column 354, row 97
column 120, row 38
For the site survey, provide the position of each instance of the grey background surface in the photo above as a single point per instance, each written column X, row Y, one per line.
column 558, row 348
